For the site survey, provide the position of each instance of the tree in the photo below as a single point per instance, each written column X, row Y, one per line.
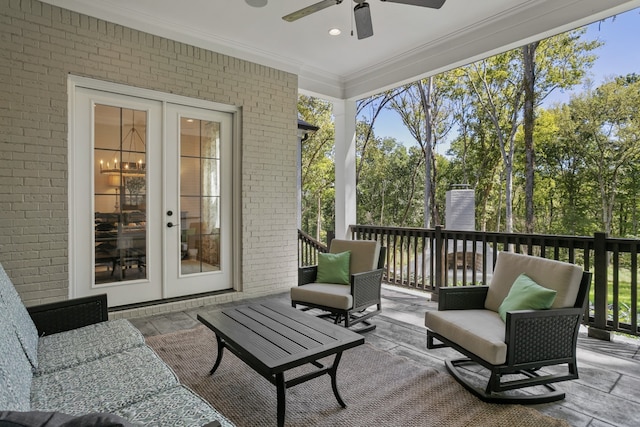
column 424, row 111
column 388, row 191
column 318, row 169
column 605, row 122
column 367, row 112
column 496, row 84
column 558, row 62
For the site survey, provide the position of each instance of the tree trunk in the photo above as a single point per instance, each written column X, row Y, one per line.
column 508, row 197
column 425, row 96
column 319, row 218
column 529, row 55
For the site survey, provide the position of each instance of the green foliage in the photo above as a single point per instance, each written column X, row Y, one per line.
column 318, row 170
column 391, row 184
column 586, row 151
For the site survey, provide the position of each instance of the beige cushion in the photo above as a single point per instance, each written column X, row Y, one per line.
column 364, row 253
column 559, row 276
column 479, row 331
column 325, row 294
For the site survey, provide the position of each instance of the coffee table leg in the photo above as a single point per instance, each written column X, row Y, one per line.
column 219, row 357
column 281, row 389
column 333, row 373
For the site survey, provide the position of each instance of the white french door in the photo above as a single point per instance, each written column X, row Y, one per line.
column 150, row 198
column 198, row 194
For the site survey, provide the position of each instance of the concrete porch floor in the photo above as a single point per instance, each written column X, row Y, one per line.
column 606, row 394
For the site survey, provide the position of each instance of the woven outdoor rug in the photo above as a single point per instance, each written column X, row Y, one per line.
column 379, row 388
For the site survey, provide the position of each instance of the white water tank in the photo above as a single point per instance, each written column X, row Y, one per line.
column 460, row 208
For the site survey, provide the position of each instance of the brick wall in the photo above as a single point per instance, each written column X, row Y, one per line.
column 39, row 46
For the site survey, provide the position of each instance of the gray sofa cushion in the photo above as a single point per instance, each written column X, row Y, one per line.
column 19, row 317
column 15, row 369
column 103, row 385
column 57, row 419
column 72, row 348
column 177, row 407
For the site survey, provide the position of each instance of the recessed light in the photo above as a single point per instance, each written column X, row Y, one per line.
column 256, row 3
column 335, row 31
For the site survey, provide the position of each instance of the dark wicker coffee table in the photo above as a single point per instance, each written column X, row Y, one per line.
column 272, row 338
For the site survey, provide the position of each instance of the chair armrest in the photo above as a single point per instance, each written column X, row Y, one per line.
column 307, row 274
column 70, row 314
column 541, row 335
column 365, row 288
column 462, row 297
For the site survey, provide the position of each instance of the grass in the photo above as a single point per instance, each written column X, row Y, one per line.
column 624, row 294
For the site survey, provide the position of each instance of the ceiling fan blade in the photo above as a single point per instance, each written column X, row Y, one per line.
column 434, row 4
column 362, row 15
column 310, row 9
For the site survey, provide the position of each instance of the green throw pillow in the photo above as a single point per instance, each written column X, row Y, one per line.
column 334, row 268
column 525, row 294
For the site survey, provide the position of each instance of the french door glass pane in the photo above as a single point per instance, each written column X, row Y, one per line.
column 120, row 232
column 199, row 195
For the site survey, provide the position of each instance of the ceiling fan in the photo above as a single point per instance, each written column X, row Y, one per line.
column 361, row 12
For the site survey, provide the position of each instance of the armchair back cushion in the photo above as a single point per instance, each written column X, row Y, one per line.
column 364, row 253
column 564, row 278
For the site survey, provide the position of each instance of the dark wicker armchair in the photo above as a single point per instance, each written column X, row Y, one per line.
column 350, row 303
column 527, row 341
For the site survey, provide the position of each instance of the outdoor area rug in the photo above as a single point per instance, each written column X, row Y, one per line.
column 378, row 387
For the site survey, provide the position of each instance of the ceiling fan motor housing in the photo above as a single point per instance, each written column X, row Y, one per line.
column 362, row 15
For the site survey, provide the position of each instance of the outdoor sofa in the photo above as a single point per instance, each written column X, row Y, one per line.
column 66, row 363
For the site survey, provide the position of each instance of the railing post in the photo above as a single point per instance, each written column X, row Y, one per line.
column 600, row 303
column 439, row 264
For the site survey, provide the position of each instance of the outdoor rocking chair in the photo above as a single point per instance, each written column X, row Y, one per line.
column 356, row 289
column 514, row 327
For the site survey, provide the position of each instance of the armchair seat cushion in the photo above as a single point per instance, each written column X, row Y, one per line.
column 325, row 294
column 479, row 331
column 77, row 346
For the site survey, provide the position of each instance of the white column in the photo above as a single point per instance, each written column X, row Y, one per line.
column 299, row 181
column 344, row 112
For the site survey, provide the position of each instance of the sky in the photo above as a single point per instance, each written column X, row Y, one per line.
column 618, row 55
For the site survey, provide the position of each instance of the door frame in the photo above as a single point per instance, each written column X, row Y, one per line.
column 74, row 82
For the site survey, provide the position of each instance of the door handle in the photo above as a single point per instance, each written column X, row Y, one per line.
column 169, row 224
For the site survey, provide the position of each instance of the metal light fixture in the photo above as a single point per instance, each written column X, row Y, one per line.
column 127, row 168
column 362, row 16
column 256, row 3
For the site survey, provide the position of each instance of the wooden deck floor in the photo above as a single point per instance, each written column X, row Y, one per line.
column 607, row 393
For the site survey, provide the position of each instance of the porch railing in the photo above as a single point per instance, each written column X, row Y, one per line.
column 308, row 249
column 427, row 259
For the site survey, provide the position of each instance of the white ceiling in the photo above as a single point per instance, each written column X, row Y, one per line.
column 409, row 42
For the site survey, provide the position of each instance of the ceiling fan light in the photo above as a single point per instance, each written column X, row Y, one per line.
column 256, row 3
column 362, row 15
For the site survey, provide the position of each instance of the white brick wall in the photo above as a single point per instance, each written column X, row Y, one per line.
column 39, row 46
